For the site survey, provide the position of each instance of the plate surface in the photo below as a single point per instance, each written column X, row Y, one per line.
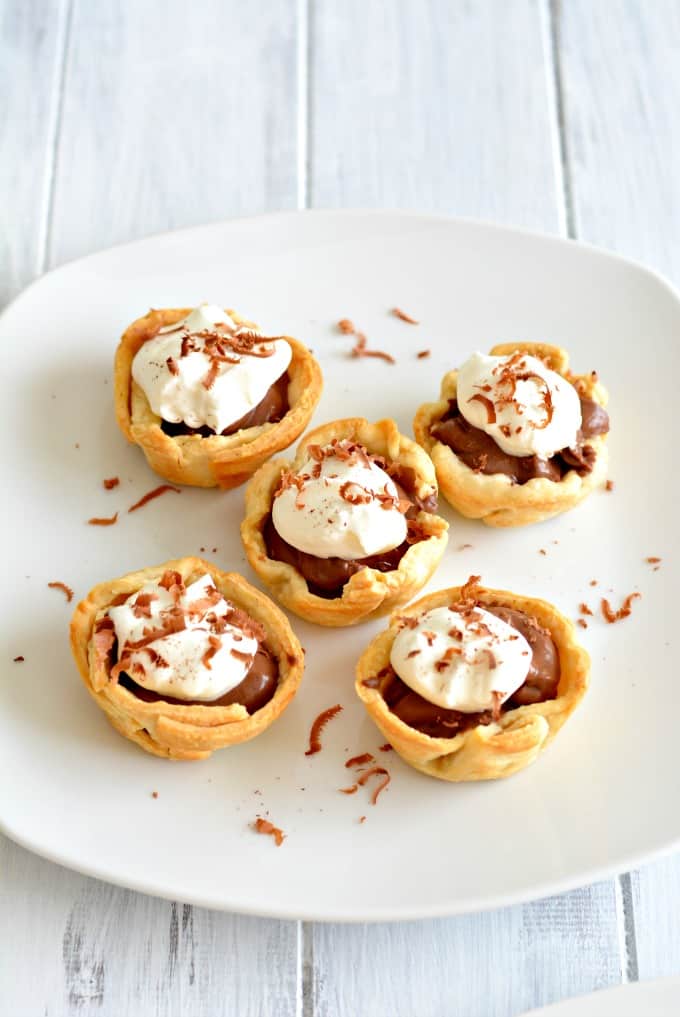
column 660, row 998
column 79, row 794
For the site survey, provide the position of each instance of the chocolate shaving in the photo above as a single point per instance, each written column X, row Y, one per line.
column 609, row 486
column 354, row 493
column 653, row 560
column 245, row 658
column 611, row 616
column 584, row 609
column 188, row 346
column 171, row 580
column 264, row 826
column 249, row 626
column 349, row 790
column 111, row 482
column 490, row 655
column 582, row 622
column 346, row 326
column 18, row 660
column 445, row 660
column 423, row 354
column 150, row 495
column 406, row 621
column 214, row 644
column 142, row 605
column 209, row 379
column 378, row 354
column 496, row 700
column 375, row 770
column 469, row 592
column 103, row 520
column 366, row 757
column 360, row 348
column 386, row 747
column 318, row 726
column 65, row 589
column 403, row 316
column 487, row 404
column 173, row 366
column 412, row 653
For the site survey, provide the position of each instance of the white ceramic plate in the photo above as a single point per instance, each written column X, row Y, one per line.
column 601, row 798
column 660, row 998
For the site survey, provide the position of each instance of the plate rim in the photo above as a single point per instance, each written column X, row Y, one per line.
column 455, row 220
column 465, row 906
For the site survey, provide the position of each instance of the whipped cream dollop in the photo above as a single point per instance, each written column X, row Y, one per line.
column 340, row 507
column 524, row 406
column 205, row 371
column 467, row 660
column 194, row 652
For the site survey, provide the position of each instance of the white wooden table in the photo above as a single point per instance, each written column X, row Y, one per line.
column 127, row 117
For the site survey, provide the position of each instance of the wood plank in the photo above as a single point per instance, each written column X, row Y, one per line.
column 32, row 44
column 656, row 905
column 436, row 106
column 173, row 116
column 78, row 946
column 620, row 64
column 165, row 119
column 492, row 965
column 448, row 107
column 620, row 69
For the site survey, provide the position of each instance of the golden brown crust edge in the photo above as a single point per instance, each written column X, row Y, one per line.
column 224, row 461
column 186, row 732
column 369, row 593
column 494, row 498
column 497, row 750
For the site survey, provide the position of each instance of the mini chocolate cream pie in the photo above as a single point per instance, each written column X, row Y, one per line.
column 471, row 683
column 349, row 530
column 207, row 397
column 515, row 437
column 184, row 659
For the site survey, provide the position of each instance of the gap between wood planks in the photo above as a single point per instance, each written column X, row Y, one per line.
column 552, row 17
column 56, row 113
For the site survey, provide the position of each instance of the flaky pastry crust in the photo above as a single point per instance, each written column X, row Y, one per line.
column 191, row 731
column 494, row 498
column 483, row 752
column 368, row 593
column 219, row 460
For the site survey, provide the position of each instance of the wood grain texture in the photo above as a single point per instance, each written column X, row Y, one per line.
column 620, row 64
column 72, row 945
column 492, row 965
column 436, row 106
column 31, row 55
column 173, row 115
column 620, row 70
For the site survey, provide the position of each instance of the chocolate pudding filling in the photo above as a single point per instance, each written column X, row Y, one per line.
column 480, row 452
column 271, row 409
column 254, row 692
column 541, row 684
column 326, row 577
